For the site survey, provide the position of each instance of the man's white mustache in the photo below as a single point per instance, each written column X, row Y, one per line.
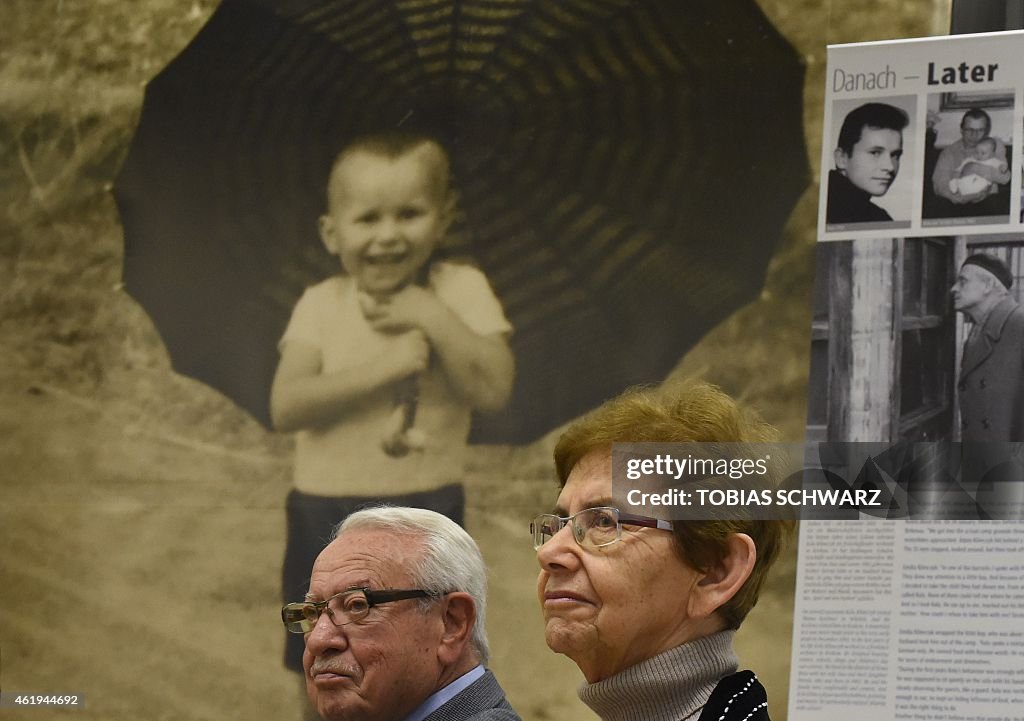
column 326, row 665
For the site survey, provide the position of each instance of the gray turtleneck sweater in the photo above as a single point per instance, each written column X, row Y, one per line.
column 671, row 686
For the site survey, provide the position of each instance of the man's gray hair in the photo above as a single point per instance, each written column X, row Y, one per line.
column 451, row 560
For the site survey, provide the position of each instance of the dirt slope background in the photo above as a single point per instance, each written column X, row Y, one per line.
column 141, row 514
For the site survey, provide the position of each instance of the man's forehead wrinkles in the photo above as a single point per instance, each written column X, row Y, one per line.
column 351, row 569
column 362, row 559
column 352, row 559
column 326, row 584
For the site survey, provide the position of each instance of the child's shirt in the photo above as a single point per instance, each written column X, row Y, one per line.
column 347, row 458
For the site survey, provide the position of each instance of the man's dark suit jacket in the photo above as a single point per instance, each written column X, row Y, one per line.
column 482, row 700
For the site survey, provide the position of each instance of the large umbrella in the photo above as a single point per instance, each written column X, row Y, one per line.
column 624, row 170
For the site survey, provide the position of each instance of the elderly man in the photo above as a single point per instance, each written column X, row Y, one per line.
column 992, row 369
column 975, row 126
column 394, row 623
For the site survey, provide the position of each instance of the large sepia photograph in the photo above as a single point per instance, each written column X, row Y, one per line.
column 267, row 263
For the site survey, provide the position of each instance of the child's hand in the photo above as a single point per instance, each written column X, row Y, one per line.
column 411, row 353
column 401, row 311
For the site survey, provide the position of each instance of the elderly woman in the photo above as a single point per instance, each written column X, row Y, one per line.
column 648, row 609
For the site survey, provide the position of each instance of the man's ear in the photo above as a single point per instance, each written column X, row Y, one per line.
column 993, row 284
column 459, row 617
column 327, row 236
column 723, row 580
column 840, row 158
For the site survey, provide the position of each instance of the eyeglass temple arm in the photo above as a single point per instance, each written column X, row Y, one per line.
column 645, row 522
column 375, row 597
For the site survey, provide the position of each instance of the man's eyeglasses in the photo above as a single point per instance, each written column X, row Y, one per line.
column 591, row 527
column 349, row 606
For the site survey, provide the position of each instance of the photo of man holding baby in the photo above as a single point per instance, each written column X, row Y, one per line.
column 968, row 176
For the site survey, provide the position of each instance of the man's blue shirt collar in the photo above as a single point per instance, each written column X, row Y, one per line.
column 439, row 698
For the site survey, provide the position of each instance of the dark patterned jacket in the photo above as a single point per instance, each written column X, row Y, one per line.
column 739, row 697
column 482, row 700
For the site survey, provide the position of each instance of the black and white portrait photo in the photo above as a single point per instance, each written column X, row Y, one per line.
column 873, row 140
